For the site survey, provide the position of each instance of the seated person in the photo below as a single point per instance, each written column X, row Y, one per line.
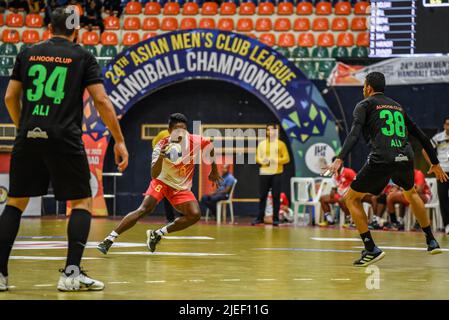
column 379, row 204
column 222, row 192
column 285, row 213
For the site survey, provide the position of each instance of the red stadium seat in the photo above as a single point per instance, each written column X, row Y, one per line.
column 30, row 36
column 10, row 36
column 188, row 23
column 46, row 35
column 14, row 20
column 342, row 8
column 361, row 8
column 251, row 35
column 323, row 8
column 359, row 24
column 345, row 39
column 282, row 24
column 264, row 24
column 268, row 38
column 2, row 22
column 363, row 39
column 340, row 24
column 209, row 9
column 286, row 40
column 130, row 38
column 245, row 24
column 226, row 24
column 207, row 23
column 148, row 35
column 131, row 23
column 265, row 9
column 326, row 40
column 169, row 24
column 152, row 8
column 285, row 8
column 133, row 7
column 109, row 38
column 91, row 38
column 228, row 8
column 171, row 9
column 247, row 9
column 150, row 23
column 306, row 40
column 111, row 23
column 304, row 8
column 320, row 24
column 34, row 20
column 190, row 9
column 301, row 24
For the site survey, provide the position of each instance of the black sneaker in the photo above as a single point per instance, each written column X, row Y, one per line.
column 374, row 225
column 368, row 257
column 256, row 222
column 433, row 247
column 152, row 239
column 275, row 223
column 104, row 246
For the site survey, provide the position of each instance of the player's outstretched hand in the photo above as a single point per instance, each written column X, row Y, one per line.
column 215, row 178
column 333, row 168
column 121, row 156
column 438, row 172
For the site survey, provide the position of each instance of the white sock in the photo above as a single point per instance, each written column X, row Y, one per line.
column 328, row 217
column 112, row 236
column 400, row 220
column 162, row 231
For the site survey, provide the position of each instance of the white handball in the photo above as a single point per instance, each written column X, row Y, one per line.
column 173, row 153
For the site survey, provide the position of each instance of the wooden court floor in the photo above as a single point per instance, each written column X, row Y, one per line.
column 230, row 262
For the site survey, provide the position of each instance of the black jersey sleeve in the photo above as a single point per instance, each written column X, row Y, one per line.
column 92, row 71
column 415, row 131
column 356, row 130
column 17, row 68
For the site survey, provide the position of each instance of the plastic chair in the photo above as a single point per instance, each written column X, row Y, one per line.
column 109, row 39
column 301, row 24
column 363, row 39
column 207, row 23
column 268, row 38
column 133, row 7
column 190, row 9
column 245, row 24
column 152, row 9
column 320, row 24
column 30, row 36
column 188, row 23
column 306, row 40
column 359, row 52
column 111, row 23
column 342, row 8
column 225, row 24
column 264, row 24
column 359, row 24
column 265, row 9
column 130, row 38
column 131, row 23
column 304, row 9
column 247, row 8
column 209, row 9
column 150, row 24
column 361, row 8
column 282, row 24
column 171, row 9
column 90, row 38
column 340, row 24
column 222, row 205
column 228, row 9
column 14, row 20
column 345, row 40
column 323, row 8
column 169, row 24
column 285, row 8
column 286, row 40
column 34, row 20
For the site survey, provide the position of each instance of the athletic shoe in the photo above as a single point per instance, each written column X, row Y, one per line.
column 80, row 282
column 256, row 222
column 397, row 226
column 368, row 257
column 152, row 240
column 275, row 223
column 323, row 224
column 3, row 283
column 446, row 230
column 104, row 246
column 374, row 225
column 433, row 247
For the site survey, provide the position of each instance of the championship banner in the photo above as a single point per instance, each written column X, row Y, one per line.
column 398, row 71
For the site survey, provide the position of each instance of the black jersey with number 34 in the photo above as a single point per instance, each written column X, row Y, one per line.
column 54, row 75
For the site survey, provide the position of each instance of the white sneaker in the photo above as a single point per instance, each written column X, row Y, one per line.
column 446, row 230
column 3, row 283
column 80, row 282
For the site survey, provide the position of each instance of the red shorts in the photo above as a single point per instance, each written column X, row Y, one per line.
column 159, row 190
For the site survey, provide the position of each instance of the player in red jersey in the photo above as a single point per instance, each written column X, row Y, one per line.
column 172, row 168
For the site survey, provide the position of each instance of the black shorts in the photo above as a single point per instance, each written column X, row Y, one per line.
column 373, row 178
column 31, row 173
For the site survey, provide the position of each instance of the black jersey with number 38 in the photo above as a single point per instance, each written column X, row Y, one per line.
column 54, row 75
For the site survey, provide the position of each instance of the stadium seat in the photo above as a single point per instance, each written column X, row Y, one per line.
column 171, row 9
column 209, row 9
column 359, row 24
column 300, row 52
column 91, row 49
column 46, row 35
column 326, row 40
column 228, row 8
column 308, row 68
column 265, row 9
column 152, row 9
column 363, row 39
column 263, row 24
column 342, row 8
column 285, row 8
column 345, row 39
column 108, row 51
column 150, row 23
column 247, row 9
column 268, row 39
column 109, row 39
column 207, row 23
column 286, row 40
column 361, row 8
column 148, row 35
column 320, row 24
column 340, row 52
column 190, row 9
column 34, row 20
column 323, row 8
column 325, row 68
column 2, row 22
column 282, row 50
column 133, row 7
column 251, row 35
column 301, row 24
column 91, row 38
column 306, row 40
column 10, row 36
column 304, row 9
column 187, row 23
column 282, row 24
column 225, row 24
column 111, row 23
column 130, row 38
column 245, row 24
column 359, row 52
column 25, row 46
column 340, row 24
column 131, row 23
column 7, row 51
column 14, row 20
column 4, row 72
column 320, row 52
column 169, row 24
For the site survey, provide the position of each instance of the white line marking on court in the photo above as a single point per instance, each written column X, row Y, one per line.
column 303, row 279
column 335, row 239
column 404, row 248
column 306, row 250
column 417, row 280
column 155, row 281
column 229, row 280
column 41, row 245
column 12, row 287
column 185, row 254
column 266, row 279
column 341, row 279
column 194, row 280
column 46, row 258
column 118, row 282
column 188, row 238
column 44, row 285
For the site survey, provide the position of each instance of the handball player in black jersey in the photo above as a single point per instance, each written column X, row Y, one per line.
column 45, row 101
column 386, row 127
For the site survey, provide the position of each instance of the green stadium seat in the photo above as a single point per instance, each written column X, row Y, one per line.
column 25, row 46
column 340, row 52
column 359, row 52
column 6, row 62
column 282, row 50
column 4, row 72
column 91, row 49
column 320, row 52
column 325, row 68
column 300, row 52
column 8, row 49
column 108, row 51
column 308, row 68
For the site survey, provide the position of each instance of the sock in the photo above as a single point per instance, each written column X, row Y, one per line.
column 401, row 220
column 112, row 236
column 9, row 227
column 328, row 217
column 77, row 232
column 429, row 234
column 393, row 217
column 368, row 241
column 162, row 231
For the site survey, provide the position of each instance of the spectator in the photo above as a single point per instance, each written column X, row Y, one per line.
column 379, row 204
column 18, row 4
column 113, row 7
column 2, row 6
column 35, row 6
column 51, row 5
column 92, row 14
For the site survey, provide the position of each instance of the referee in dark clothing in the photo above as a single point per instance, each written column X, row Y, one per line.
column 45, row 101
